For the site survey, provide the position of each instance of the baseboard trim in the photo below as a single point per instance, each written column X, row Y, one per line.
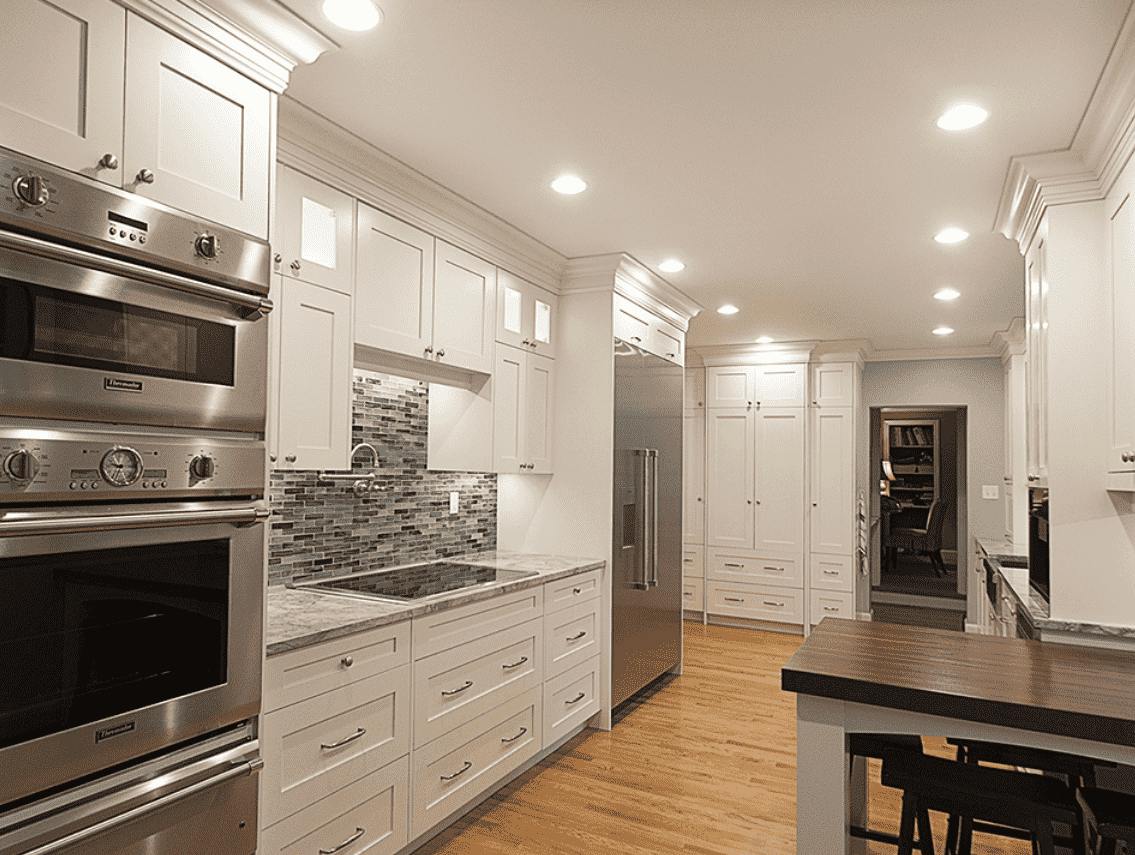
column 895, row 599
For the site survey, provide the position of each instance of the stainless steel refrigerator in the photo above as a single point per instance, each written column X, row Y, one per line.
column 646, row 615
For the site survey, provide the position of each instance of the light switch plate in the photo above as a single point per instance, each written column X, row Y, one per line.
column 453, row 501
column 989, row 492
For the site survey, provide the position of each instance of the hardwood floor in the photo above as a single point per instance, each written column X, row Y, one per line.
column 704, row 765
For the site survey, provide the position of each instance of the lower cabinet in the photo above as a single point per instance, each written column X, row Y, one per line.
column 570, row 698
column 840, row 604
column 756, row 586
column 693, row 594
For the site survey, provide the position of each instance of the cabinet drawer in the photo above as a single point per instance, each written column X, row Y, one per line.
column 668, row 342
column 570, row 636
column 377, row 805
column 442, row 630
column 457, row 685
column 300, row 674
column 632, row 322
column 323, row 743
column 833, row 572
column 570, row 699
column 693, row 564
column 574, row 589
column 453, row 770
column 693, row 595
column 832, row 604
column 728, row 566
column 758, row 602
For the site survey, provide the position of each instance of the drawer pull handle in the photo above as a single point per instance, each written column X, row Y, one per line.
column 831, row 608
column 771, row 603
column 577, row 590
column 831, row 572
column 727, row 564
column 577, row 636
column 734, row 599
column 468, row 684
column 688, row 560
column 523, row 659
column 359, row 832
column 356, row 735
column 774, row 569
column 577, row 698
column 348, row 661
column 523, row 731
column 460, row 771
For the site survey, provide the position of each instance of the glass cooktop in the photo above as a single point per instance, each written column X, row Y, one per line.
column 415, row 581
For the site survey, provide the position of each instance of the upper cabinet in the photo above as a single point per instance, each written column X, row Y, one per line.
column 420, row 297
column 316, row 227
column 642, row 328
column 1121, row 374
column 172, row 124
column 526, row 315
column 776, row 385
column 1036, row 365
column 834, row 384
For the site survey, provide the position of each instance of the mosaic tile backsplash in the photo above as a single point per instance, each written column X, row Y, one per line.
column 319, row 530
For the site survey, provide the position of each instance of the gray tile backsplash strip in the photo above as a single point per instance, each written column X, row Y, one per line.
column 319, row 530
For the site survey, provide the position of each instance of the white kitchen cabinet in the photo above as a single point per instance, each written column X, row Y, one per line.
column 769, row 603
column 523, row 395
column 694, row 389
column 170, row 123
column 693, row 595
column 72, row 115
column 312, row 377
column 464, row 315
column 727, row 565
column 693, row 476
column 1121, row 367
column 642, row 328
column 198, row 134
column 730, row 473
column 1036, row 365
column 775, row 385
column 831, row 604
column 316, row 224
column 526, row 315
column 570, row 698
column 834, row 384
column 833, row 481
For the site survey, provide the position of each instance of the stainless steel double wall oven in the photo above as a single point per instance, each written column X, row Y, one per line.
column 133, row 349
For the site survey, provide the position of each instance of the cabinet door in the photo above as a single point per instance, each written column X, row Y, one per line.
column 833, row 480
column 1037, row 363
column 526, row 315
column 394, row 285
column 539, row 391
column 729, row 477
column 780, row 479
column 632, row 322
column 465, row 304
column 731, row 386
column 1121, row 400
column 667, row 341
column 71, row 115
column 317, row 224
column 508, row 394
column 200, row 131
column 693, row 477
column 779, row 385
column 833, row 384
column 314, row 424
column 695, row 389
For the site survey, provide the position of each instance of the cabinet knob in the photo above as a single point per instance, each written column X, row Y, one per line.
column 441, row 353
column 109, row 161
column 295, row 265
column 145, row 177
column 291, row 458
column 429, row 350
column 526, row 342
column 347, row 661
column 272, row 457
column 277, row 258
column 815, row 504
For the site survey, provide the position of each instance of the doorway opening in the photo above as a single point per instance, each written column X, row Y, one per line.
column 918, row 512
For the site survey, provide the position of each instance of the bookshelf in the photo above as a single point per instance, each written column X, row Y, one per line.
column 911, row 448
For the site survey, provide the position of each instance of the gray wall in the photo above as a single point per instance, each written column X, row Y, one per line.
column 319, row 530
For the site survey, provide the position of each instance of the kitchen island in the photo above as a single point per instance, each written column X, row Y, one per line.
column 861, row 677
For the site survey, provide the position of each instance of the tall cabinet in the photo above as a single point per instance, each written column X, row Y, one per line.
column 693, row 494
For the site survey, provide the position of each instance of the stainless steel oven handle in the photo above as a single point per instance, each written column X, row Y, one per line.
column 240, row 771
column 32, row 527
column 254, row 307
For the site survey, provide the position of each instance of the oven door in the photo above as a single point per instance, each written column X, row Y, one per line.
column 87, row 337
column 127, row 629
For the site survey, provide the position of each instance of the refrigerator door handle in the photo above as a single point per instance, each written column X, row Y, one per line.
column 645, row 522
column 654, row 545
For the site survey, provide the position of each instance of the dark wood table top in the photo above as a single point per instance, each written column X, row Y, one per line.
column 1062, row 689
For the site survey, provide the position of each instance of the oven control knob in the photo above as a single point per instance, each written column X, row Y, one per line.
column 207, row 245
column 21, row 465
column 30, row 190
column 121, row 466
column 202, row 467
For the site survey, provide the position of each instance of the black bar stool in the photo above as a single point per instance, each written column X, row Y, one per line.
column 1111, row 815
column 874, row 745
column 1018, row 800
column 1075, row 770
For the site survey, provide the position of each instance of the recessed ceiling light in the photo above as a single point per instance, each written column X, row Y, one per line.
column 961, row 117
column 765, row 339
column 951, row 235
column 671, row 265
column 357, row 15
column 728, row 309
column 943, row 331
column 947, row 294
column 569, row 185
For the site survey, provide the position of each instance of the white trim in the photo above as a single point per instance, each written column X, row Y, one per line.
column 632, row 279
column 1012, row 340
column 317, row 147
column 755, row 354
column 975, row 352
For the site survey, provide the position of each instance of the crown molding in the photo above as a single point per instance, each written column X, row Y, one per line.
column 924, row 354
column 1086, row 171
column 632, row 279
column 259, row 38
column 318, row 147
column 756, row 354
column 1012, row 340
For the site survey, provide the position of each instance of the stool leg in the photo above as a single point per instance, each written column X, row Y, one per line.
column 1042, row 840
column 925, row 836
column 906, row 824
column 952, row 828
column 965, row 837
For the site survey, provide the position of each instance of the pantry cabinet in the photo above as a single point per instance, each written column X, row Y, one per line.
column 316, row 228
column 1036, row 365
column 833, row 481
column 755, row 385
column 523, row 403
column 172, row 123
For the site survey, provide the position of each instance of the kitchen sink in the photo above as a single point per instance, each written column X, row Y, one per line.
column 412, row 582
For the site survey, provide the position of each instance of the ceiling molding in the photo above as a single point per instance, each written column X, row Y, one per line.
column 1011, row 341
column 259, row 38
column 316, row 146
column 923, row 354
column 756, row 354
column 632, row 279
column 1084, row 172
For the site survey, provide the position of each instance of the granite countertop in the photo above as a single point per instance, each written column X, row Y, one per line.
column 300, row 618
column 1017, row 579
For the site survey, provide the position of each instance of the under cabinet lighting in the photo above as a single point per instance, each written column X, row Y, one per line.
column 356, row 15
column 947, row 294
column 671, row 265
column 943, row 331
column 951, row 235
column 962, row 117
column 728, row 309
column 569, row 185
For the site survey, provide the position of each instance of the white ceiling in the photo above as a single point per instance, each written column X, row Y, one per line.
column 785, row 150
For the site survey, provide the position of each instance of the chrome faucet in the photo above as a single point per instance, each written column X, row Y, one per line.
column 364, row 483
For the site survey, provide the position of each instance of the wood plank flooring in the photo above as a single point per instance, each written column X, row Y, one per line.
column 706, row 765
